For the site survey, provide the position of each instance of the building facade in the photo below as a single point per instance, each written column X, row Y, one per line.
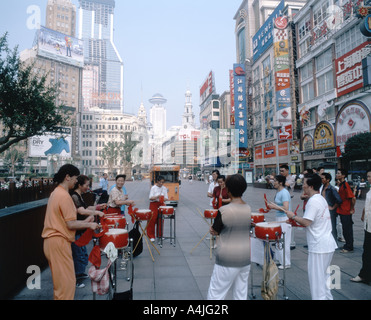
column 61, row 16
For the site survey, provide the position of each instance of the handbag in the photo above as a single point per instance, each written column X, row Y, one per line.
column 135, row 235
column 269, row 288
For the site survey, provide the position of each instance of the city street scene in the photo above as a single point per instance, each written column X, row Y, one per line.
column 243, row 175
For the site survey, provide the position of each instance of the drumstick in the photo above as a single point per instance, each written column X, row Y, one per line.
column 277, row 206
column 203, row 217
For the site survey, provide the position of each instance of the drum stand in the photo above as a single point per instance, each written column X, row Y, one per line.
column 212, row 239
column 144, row 232
column 160, row 221
column 280, row 245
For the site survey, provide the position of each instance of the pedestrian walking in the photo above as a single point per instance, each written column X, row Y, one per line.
column 232, row 261
column 282, row 200
column 157, row 196
column 365, row 273
column 321, row 243
column 60, row 226
column 346, row 210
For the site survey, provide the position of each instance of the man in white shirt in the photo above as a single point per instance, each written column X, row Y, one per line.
column 215, row 174
column 321, row 243
column 365, row 272
column 155, row 202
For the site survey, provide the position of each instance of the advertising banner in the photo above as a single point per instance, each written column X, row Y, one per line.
column 263, row 39
column 231, row 87
column 58, row 46
column 324, row 136
column 352, row 119
column 349, row 75
column 239, row 73
column 207, row 88
column 58, row 143
column 282, row 77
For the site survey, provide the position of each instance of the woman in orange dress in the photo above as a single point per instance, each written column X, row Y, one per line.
column 60, row 225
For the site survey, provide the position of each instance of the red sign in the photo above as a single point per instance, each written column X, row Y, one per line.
column 349, row 75
column 231, row 86
column 258, row 153
column 286, row 133
column 269, row 152
column 207, row 88
column 283, row 149
column 281, row 23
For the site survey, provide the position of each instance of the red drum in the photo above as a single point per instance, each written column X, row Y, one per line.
column 257, row 217
column 210, row 213
column 115, row 221
column 119, row 237
column 268, row 230
column 143, row 215
column 111, row 210
column 166, row 210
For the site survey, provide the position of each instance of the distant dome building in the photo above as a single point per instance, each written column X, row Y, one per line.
column 158, row 115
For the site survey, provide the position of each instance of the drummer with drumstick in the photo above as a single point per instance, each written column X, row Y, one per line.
column 157, row 197
column 282, row 200
column 321, row 243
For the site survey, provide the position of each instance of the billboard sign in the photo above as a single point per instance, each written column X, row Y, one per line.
column 263, row 39
column 239, row 73
column 349, row 75
column 54, row 143
column 61, row 47
column 208, row 88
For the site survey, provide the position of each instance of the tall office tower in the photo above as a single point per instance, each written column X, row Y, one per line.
column 96, row 19
column 61, row 16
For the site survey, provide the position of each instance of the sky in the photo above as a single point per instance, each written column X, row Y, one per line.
column 167, row 46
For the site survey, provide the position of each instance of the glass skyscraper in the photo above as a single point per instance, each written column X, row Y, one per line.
column 96, row 19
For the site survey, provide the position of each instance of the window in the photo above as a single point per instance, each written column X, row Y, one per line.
column 324, row 60
column 306, row 71
column 348, row 41
column 241, row 45
column 304, row 27
column 307, row 92
column 325, row 82
column 320, row 13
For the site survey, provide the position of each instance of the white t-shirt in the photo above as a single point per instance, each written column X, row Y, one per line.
column 212, row 185
column 319, row 233
column 367, row 220
column 156, row 191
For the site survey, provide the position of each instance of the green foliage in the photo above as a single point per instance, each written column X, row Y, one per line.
column 358, row 147
column 27, row 103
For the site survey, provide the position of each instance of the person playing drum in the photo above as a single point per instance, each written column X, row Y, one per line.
column 117, row 198
column 232, row 262
column 220, row 193
column 157, row 196
column 282, row 199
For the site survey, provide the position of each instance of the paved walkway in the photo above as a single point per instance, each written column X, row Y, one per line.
column 177, row 274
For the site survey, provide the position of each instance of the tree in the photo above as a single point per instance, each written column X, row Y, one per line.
column 27, row 103
column 358, row 147
column 12, row 157
column 111, row 153
column 126, row 151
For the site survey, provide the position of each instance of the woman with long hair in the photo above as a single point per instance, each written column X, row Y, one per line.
column 80, row 254
column 60, row 226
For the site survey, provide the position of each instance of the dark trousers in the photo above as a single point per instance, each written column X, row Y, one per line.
column 334, row 215
column 365, row 272
column 347, row 223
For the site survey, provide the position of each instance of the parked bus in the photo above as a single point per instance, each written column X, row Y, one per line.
column 171, row 176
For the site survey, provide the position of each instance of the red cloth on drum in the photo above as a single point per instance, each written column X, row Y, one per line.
column 132, row 213
column 95, row 257
column 153, row 206
column 88, row 235
column 99, row 279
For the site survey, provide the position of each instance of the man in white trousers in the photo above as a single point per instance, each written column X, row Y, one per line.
column 321, row 243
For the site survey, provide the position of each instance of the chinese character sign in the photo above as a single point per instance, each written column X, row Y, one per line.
column 239, row 73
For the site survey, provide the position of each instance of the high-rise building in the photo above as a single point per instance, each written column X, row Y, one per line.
column 61, row 16
column 188, row 115
column 96, row 20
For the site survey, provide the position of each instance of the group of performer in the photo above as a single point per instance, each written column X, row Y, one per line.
column 319, row 224
column 68, row 216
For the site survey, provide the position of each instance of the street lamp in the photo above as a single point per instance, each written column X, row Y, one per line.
column 277, row 128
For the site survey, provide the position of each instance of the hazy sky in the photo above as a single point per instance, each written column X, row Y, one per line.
column 166, row 46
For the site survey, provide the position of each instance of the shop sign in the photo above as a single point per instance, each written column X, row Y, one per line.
column 269, row 150
column 294, row 158
column 283, row 149
column 352, row 119
column 349, row 74
column 258, row 153
column 324, row 136
column 295, row 147
column 308, row 144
